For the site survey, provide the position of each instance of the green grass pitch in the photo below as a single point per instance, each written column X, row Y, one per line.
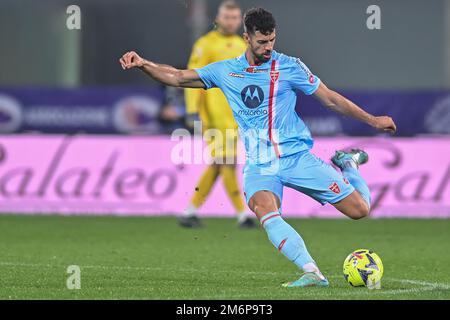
column 154, row 258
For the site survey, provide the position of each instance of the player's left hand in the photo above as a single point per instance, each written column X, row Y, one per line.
column 385, row 123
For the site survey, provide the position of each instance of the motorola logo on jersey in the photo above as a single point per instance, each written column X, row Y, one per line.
column 250, row 113
column 252, row 96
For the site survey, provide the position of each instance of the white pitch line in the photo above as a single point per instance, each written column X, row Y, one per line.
column 423, row 285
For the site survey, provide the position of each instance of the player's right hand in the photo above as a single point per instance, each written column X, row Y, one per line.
column 385, row 123
column 131, row 60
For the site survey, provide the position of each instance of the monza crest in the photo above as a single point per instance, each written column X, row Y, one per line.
column 274, row 75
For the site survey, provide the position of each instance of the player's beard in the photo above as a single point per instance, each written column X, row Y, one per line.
column 261, row 58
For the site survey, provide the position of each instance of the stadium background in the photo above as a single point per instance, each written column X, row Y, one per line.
column 82, row 141
column 79, row 135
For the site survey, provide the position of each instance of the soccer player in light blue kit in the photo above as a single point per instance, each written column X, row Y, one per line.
column 261, row 89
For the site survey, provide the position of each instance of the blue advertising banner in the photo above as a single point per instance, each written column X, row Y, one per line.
column 89, row 110
column 425, row 112
column 137, row 110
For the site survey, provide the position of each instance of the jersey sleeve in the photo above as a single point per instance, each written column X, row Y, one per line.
column 210, row 74
column 302, row 78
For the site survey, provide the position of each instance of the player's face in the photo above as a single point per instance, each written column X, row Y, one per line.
column 261, row 45
column 229, row 20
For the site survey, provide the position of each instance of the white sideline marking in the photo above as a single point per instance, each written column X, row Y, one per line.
column 422, row 285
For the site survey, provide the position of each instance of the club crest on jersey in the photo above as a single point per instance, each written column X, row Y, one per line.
column 335, row 188
column 274, row 76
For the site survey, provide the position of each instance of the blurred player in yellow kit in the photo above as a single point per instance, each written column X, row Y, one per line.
column 213, row 110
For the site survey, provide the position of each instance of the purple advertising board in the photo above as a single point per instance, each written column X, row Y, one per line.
column 137, row 110
column 132, row 175
column 98, row 110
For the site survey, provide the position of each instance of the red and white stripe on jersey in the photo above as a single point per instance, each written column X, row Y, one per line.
column 273, row 90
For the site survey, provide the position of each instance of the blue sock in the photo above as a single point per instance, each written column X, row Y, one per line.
column 354, row 177
column 286, row 239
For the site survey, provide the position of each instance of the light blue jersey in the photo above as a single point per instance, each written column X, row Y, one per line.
column 263, row 100
column 276, row 140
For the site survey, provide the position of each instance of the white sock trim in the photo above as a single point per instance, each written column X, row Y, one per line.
column 241, row 216
column 312, row 267
column 190, row 211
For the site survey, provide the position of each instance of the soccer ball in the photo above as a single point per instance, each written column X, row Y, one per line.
column 363, row 267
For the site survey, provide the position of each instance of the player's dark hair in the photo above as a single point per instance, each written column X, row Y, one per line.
column 259, row 19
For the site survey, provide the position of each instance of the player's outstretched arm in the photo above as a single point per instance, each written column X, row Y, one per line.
column 338, row 103
column 165, row 74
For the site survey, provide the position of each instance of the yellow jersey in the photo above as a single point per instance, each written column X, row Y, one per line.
column 211, row 105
